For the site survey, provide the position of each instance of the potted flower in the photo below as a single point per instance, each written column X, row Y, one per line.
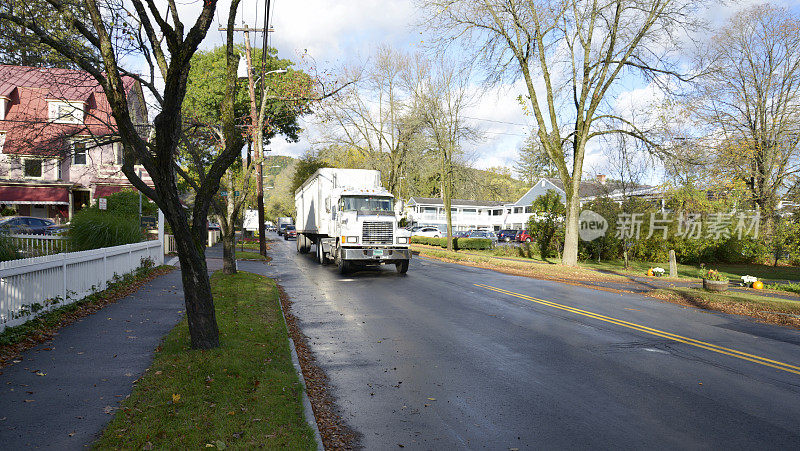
column 713, row 280
column 748, row 281
column 658, row 271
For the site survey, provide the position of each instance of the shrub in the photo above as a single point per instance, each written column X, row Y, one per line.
column 93, row 229
column 546, row 226
column 126, row 203
column 7, row 250
column 458, row 243
column 470, row 243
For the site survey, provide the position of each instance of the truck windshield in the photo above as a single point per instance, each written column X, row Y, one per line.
column 366, row 203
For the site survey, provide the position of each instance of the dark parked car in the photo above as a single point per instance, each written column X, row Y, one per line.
column 461, row 234
column 25, row 225
column 523, row 236
column 485, row 234
column 507, row 235
column 289, row 232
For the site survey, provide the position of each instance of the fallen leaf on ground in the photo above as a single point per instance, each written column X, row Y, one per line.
column 176, row 398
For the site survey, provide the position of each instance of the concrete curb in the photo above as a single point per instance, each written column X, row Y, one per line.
column 308, row 411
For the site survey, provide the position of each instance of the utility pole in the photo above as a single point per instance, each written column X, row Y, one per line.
column 255, row 133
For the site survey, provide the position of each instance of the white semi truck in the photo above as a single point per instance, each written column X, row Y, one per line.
column 350, row 219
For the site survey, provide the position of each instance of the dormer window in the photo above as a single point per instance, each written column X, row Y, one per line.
column 66, row 112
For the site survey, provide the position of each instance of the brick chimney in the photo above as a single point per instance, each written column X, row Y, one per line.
column 601, row 178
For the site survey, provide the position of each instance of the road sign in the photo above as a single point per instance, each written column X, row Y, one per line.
column 149, row 222
column 102, row 203
column 223, row 193
column 236, row 194
column 250, row 220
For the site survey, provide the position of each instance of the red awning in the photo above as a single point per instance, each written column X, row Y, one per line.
column 107, row 190
column 47, row 195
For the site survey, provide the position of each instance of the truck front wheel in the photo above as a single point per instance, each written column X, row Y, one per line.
column 344, row 266
column 321, row 257
column 402, row 266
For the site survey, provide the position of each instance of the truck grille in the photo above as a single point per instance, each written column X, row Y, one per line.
column 377, row 233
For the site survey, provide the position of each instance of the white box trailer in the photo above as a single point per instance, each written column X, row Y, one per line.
column 350, row 218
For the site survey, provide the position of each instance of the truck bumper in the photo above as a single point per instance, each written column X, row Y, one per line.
column 375, row 255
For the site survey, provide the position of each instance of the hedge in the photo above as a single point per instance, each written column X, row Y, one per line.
column 458, row 243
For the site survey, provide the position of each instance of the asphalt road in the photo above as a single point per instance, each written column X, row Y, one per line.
column 440, row 359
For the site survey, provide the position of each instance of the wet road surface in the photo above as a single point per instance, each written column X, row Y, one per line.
column 456, row 357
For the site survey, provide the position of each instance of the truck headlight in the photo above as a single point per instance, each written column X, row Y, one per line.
column 402, row 240
column 351, row 239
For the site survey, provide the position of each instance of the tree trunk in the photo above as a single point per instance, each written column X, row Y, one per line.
column 229, row 232
column 196, row 291
column 570, row 256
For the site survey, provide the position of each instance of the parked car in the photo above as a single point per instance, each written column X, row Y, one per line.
column 485, row 234
column 57, row 230
column 523, row 236
column 431, row 232
column 26, row 225
column 289, row 232
column 461, row 234
column 507, row 235
column 213, row 226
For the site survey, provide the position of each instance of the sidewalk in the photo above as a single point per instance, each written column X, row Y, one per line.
column 63, row 393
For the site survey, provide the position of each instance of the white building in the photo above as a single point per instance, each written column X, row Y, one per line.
column 475, row 214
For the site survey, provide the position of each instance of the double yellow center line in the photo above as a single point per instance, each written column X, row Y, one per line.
column 649, row 330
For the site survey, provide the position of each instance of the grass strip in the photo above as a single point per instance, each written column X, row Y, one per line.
column 244, row 394
column 245, row 255
column 769, row 310
column 17, row 339
column 514, row 266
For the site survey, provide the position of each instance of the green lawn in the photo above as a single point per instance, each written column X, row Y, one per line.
column 735, row 302
column 244, row 394
column 246, row 255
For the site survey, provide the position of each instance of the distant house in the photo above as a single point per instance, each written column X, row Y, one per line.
column 58, row 142
column 472, row 214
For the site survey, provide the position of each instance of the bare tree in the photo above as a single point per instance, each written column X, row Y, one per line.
column 161, row 39
column 442, row 97
column 571, row 55
column 750, row 99
column 377, row 115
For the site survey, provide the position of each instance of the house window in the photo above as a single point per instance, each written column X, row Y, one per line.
column 32, row 168
column 2, row 140
column 118, row 157
column 60, row 176
column 517, row 209
column 66, row 112
column 529, row 209
column 78, row 153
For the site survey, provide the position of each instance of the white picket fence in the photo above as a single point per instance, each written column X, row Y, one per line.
column 38, row 245
column 31, row 286
column 214, row 236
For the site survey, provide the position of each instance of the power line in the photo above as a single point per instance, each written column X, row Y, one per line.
column 496, row 121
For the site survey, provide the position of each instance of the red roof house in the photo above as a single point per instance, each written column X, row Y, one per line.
column 58, row 145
